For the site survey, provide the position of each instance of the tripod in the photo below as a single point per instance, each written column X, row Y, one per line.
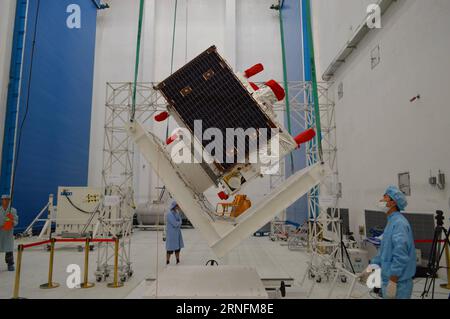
column 343, row 248
column 436, row 254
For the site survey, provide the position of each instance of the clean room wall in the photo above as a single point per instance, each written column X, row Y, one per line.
column 7, row 11
column 192, row 36
column 258, row 39
column 114, row 62
column 380, row 132
column 208, row 22
column 338, row 21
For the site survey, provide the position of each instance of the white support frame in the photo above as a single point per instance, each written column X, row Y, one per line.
column 221, row 236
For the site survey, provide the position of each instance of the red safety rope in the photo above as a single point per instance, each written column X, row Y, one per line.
column 69, row 240
column 112, row 240
column 427, row 241
column 36, row 244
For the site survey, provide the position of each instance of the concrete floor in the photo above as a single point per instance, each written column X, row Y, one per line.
column 270, row 259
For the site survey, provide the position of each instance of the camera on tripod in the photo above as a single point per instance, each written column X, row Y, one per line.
column 439, row 218
column 441, row 236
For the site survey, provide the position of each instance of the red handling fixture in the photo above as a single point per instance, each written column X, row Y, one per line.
column 305, row 136
column 257, row 68
column 171, row 139
column 254, row 86
column 276, row 89
column 162, row 117
column 223, row 196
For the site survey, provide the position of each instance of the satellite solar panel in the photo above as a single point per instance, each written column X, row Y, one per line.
column 206, row 89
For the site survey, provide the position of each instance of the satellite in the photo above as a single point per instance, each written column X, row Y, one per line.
column 228, row 138
column 207, row 90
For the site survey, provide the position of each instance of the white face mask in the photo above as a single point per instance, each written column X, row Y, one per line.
column 383, row 206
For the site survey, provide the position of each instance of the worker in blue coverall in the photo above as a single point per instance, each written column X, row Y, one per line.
column 174, row 238
column 397, row 254
column 8, row 220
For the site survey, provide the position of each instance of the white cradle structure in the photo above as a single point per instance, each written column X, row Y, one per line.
column 208, row 87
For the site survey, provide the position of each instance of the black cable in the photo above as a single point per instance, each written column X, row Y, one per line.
column 78, row 208
column 344, row 248
column 83, row 232
column 27, row 107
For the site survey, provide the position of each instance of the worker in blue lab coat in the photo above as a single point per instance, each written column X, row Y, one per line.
column 8, row 220
column 174, row 238
column 397, row 254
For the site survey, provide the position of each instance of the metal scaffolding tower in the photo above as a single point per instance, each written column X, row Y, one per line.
column 116, row 220
column 324, row 220
column 325, row 240
column 323, row 216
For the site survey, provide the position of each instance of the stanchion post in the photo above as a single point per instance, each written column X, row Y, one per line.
column 18, row 268
column 447, row 257
column 50, row 284
column 86, row 284
column 116, row 283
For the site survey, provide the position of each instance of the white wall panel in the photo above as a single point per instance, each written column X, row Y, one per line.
column 380, row 132
column 7, row 17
